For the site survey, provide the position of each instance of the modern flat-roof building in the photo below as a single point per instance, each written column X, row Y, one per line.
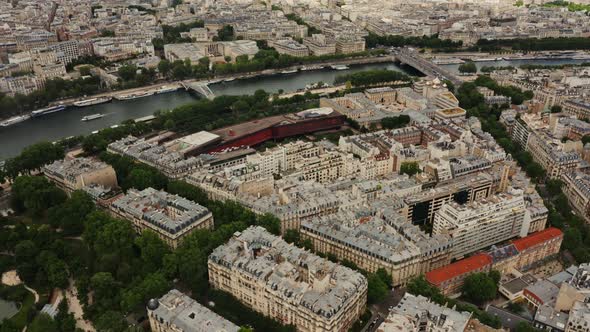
column 171, row 217
column 579, row 319
column 422, row 207
column 74, row 174
column 577, row 288
column 480, row 224
column 287, row 283
column 176, row 312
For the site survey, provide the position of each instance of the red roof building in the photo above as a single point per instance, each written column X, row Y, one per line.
column 531, row 249
column 449, row 279
column 537, row 247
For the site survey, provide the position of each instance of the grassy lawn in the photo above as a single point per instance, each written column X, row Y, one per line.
column 26, row 301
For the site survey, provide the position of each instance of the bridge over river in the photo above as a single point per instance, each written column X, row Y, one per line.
column 411, row 57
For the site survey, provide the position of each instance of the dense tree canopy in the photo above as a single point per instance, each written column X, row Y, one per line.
column 372, row 77
column 468, row 67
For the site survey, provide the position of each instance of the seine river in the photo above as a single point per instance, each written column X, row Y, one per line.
column 67, row 123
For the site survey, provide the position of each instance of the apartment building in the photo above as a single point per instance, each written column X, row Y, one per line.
column 171, row 163
column 23, row 85
column 420, row 208
column 286, row 283
column 576, row 107
column 375, row 242
column 576, row 186
column 319, row 44
column 348, row 45
column 290, row 47
column 449, row 279
column 418, row 314
column 575, row 289
column 175, row 312
column 536, row 247
column 521, row 254
column 170, row 216
column 551, row 157
column 74, row 174
column 480, row 224
column 579, row 318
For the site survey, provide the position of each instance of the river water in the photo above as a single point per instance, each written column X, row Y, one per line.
column 67, row 123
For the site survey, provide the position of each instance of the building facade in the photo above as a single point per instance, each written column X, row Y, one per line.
column 171, row 217
column 287, row 283
column 75, row 174
column 176, row 312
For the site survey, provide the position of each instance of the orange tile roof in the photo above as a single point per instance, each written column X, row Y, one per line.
column 467, row 265
column 537, row 238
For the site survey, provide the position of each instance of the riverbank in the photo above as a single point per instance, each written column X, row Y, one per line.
column 155, row 88
column 67, row 123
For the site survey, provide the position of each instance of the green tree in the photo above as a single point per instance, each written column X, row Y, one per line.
column 111, row 321
column 25, row 251
column 164, row 67
column 409, row 167
column 70, row 215
column 107, row 33
column 226, row 33
column 152, row 249
column 144, row 178
column 377, row 288
column 468, row 68
column 479, row 287
column 450, row 85
column 556, row 109
column 43, row 323
column 292, row 236
column 127, row 72
column 152, row 286
column 395, row 122
column 270, row 222
column 525, row 327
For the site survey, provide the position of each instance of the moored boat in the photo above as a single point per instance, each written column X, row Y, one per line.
column 47, row 110
column 92, row 117
column 339, row 67
column 14, row 120
column 131, row 96
column 92, row 101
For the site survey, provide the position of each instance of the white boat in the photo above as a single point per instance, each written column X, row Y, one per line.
column 14, row 120
column 166, row 89
column 229, row 79
column 318, row 85
column 214, row 81
column 92, row 117
column 484, row 59
column 135, row 95
column 339, row 67
column 290, row 71
column 47, row 110
column 581, row 57
column 92, row 101
column 305, row 68
column 447, row 61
